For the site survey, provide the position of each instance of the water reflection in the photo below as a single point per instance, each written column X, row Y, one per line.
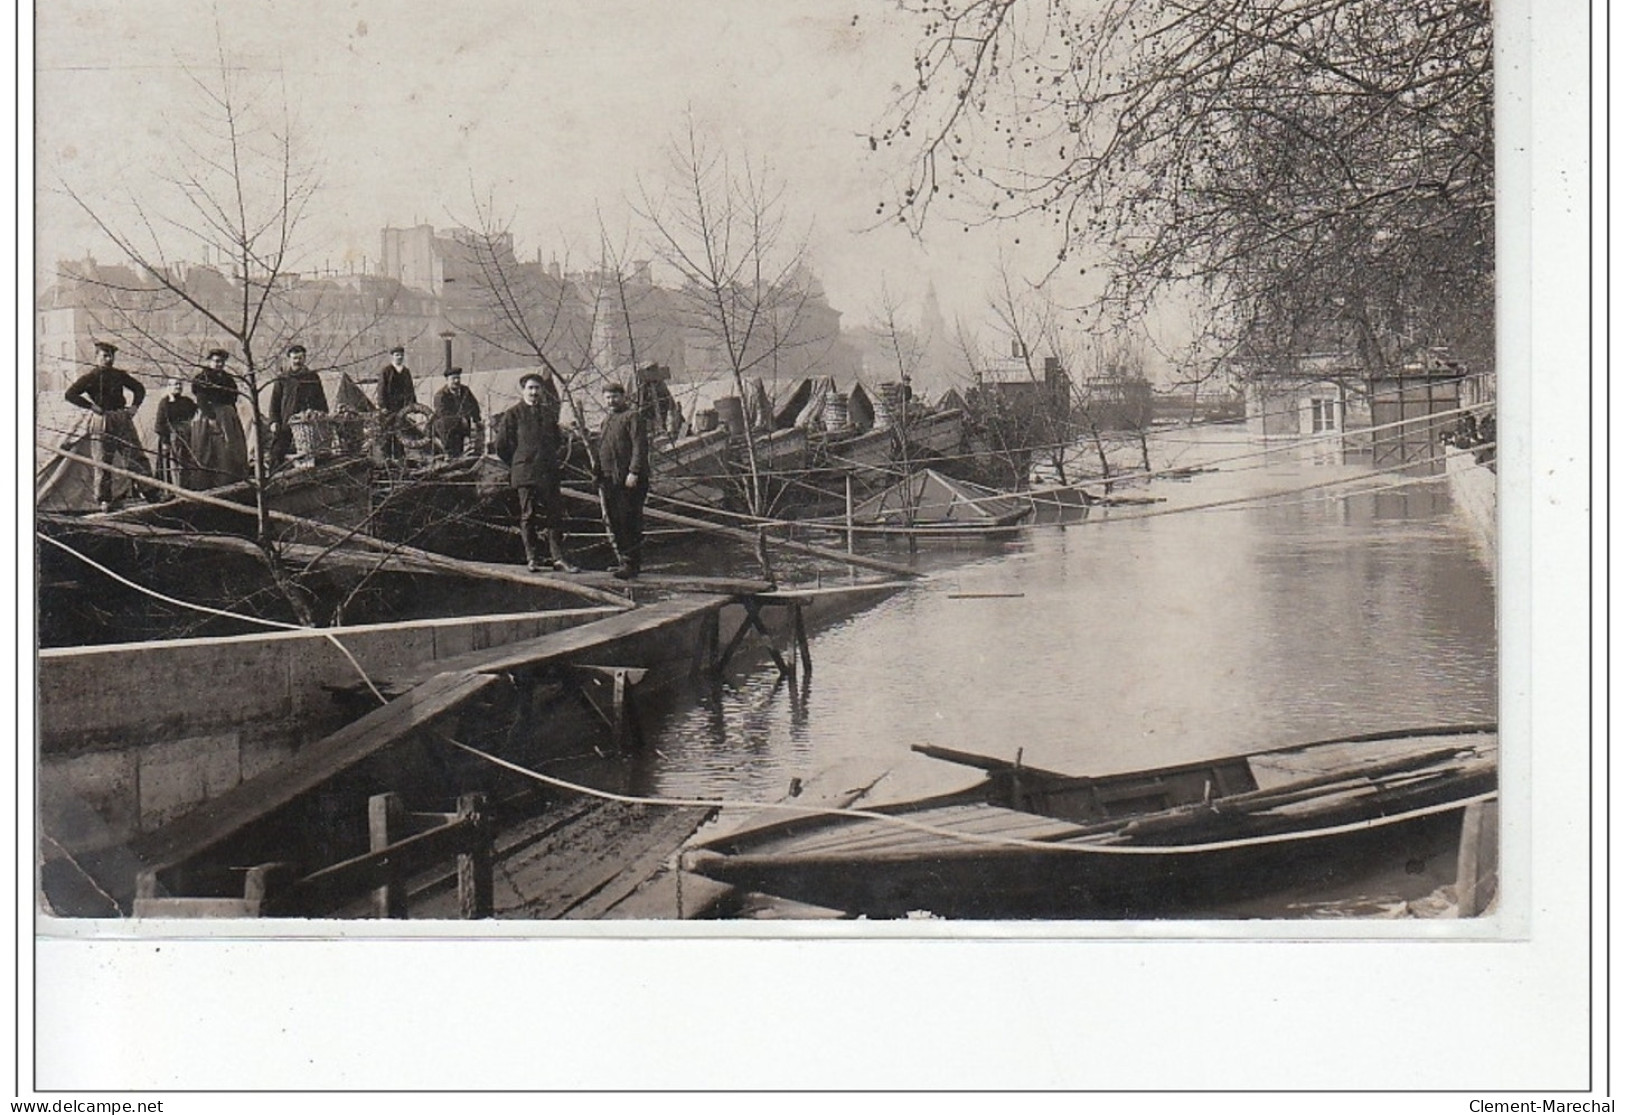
column 1197, row 625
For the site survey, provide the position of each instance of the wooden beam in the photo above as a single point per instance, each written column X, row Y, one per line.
column 798, row 627
column 329, row 889
column 407, row 555
column 455, row 681
column 753, row 615
column 749, row 537
column 265, row 885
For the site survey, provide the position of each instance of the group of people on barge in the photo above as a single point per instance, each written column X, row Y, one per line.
column 202, row 444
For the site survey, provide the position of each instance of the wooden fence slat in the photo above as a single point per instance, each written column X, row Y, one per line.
column 476, row 863
column 386, row 820
column 330, row 888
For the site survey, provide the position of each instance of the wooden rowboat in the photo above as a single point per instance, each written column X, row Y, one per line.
column 1180, row 840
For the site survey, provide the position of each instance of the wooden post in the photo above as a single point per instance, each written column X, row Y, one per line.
column 146, row 885
column 762, row 557
column 705, row 657
column 786, row 669
column 798, row 627
column 386, row 819
column 263, row 887
column 1477, row 860
column 738, row 637
column 849, row 512
column 620, row 710
column 474, row 866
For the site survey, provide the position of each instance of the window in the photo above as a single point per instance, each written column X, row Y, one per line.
column 1323, row 415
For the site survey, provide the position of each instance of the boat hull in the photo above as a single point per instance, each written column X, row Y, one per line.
column 1181, row 841
column 996, row 883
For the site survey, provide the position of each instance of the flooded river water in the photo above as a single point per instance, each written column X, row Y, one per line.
column 1142, row 636
column 1206, row 623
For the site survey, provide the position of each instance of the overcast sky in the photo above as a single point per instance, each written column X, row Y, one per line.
column 556, row 106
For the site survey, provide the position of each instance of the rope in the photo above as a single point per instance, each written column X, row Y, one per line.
column 1373, row 490
column 155, row 594
column 1238, row 500
column 79, row 867
column 832, row 523
column 1293, row 444
column 954, row 834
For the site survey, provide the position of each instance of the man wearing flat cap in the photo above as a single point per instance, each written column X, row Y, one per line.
column 219, row 445
column 456, row 413
column 102, row 391
column 528, row 442
column 297, row 390
column 623, row 465
column 395, row 394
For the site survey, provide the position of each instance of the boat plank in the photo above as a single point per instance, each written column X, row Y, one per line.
column 572, row 641
column 843, row 832
column 982, row 821
column 646, row 859
column 553, row 886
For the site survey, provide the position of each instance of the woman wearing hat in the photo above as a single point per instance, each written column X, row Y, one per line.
column 219, row 446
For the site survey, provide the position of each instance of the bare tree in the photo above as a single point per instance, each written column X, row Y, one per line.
column 535, row 315
column 1029, row 317
column 1320, row 167
column 238, row 196
column 722, row 226
column 905, row 352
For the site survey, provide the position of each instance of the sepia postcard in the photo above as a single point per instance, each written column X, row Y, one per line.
column 683, row 496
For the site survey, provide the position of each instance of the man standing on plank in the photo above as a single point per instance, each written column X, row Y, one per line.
column 528, row 442
column 623, row 462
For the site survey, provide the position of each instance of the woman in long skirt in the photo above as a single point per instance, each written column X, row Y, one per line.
column 219, row 447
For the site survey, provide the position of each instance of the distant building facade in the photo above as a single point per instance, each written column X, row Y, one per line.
column 1321, row 393
column 432, row 286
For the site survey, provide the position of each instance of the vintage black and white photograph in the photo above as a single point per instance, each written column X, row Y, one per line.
column 939, row 460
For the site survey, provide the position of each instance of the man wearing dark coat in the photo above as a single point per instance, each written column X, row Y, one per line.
column 219, row 446
column 101, row 391
column 623, row 464
column 295, row 391
column 395, row 394
column 528, row 442
column 456, row 413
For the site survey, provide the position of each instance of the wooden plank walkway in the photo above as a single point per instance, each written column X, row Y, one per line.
column 678, row 893
column 432, row 692
column 593, row 859
column 572, row 642
column 578, row 861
